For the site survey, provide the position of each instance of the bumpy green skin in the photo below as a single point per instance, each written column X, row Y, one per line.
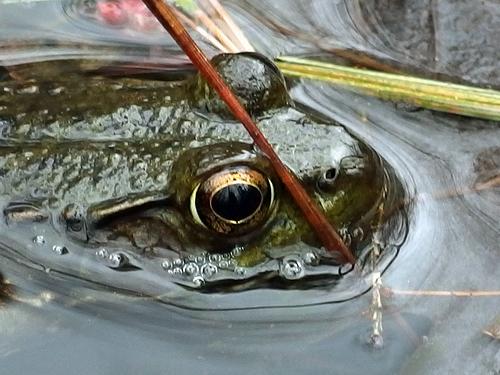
column 70, row 138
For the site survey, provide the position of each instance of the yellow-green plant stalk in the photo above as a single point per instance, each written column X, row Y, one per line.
column 431, row 94
column 189, row 6
column 198, row 17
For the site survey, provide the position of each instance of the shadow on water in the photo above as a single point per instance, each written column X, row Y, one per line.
column 448, row 166
column 6, row 291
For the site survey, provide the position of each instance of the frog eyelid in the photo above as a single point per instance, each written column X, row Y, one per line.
column 271, row 191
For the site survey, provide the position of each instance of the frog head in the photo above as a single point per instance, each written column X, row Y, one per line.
column 197, row 199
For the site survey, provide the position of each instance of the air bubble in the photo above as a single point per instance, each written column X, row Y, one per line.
column 292, row 268
column 198, row 281
column 240, row 271
column 208, row 270
column 310, row 259
column 117, row 260
column 178, row 262
column 102, row 253
column 166, row 264
column 215, row 257
column 39, row 240
column 59, row 250
column 191, row 269
column 237, row 251
column 177, row 271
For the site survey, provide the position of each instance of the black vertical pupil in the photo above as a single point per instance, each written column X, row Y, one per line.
column 236, row 202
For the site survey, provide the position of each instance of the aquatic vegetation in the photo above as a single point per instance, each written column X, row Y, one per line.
column 431, row 94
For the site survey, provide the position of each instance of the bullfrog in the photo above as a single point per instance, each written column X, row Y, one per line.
column 134, row 180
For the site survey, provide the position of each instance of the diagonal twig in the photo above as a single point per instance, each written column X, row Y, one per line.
column 329, row 237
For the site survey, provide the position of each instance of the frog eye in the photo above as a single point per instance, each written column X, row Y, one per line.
column 233, row 201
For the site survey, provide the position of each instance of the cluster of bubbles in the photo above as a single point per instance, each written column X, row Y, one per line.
column 204, row 267
column 197, row 270
column 57, row 249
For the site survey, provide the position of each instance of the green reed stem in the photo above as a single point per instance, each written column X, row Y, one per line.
column 189, row 6
column 426, row 93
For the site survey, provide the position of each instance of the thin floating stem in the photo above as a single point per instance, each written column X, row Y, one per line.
column 443, row 293
column 329, row 237
column 205, row 34
column 426, row 93
column 235, row 30
column 198, row 16
column 203, row 18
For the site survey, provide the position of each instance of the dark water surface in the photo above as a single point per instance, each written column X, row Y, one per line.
column 69, row 326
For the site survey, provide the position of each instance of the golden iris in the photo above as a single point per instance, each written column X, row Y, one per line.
column 233, row 201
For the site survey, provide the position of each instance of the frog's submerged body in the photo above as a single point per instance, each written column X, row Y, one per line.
column 100, row 175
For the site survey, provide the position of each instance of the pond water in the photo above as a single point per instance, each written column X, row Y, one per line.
column 448, row 167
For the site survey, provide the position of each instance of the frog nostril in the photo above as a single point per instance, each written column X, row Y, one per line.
column 233, row 201
column 327, row 179
column 330, row 174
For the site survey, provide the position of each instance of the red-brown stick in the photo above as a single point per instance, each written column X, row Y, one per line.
column 329, row 237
